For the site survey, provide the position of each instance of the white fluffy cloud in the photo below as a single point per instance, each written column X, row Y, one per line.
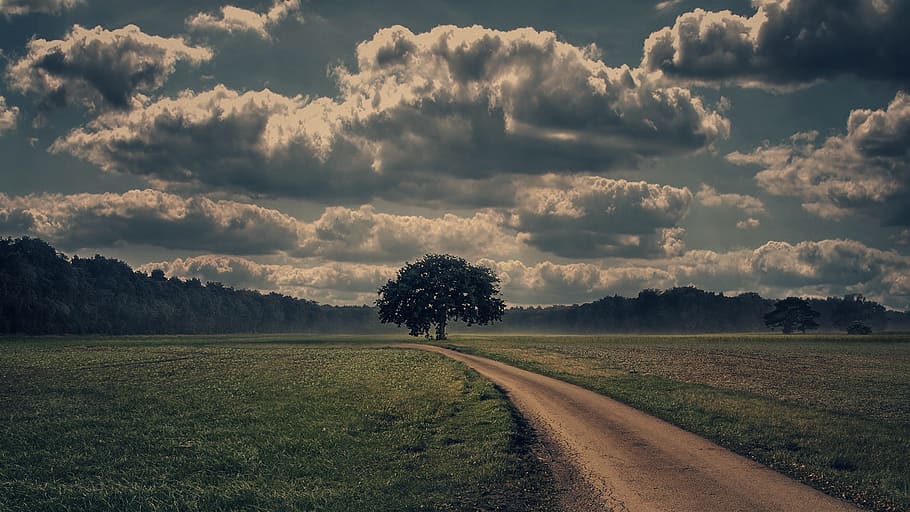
column 333, row 283
column 866, row 170
column 366, row 235
column 590, row 216
column 749, row 223
column 9, row 115
column 155, row 218
column 148, row 217
column 549, row 283
column 453, row 103
column 785, row 44
column 233, row 19
column 99, row 67
column 775, row 269
column 709, row 196
column 18, row 7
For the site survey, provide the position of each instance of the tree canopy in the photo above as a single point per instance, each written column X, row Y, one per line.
column 43, row 291
column 792, row 314
column 436, row 289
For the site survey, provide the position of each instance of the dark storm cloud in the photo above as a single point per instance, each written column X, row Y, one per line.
column 148, row 217
column 786, row 43
column 594, row 217
column 461, row 103
column 866, row 170
column 19, row 7
column 98, row 67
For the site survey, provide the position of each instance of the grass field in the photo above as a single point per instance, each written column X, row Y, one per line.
column 257, row 423
column 832, row 411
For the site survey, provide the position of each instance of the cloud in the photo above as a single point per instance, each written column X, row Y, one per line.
column 19, row 7
column 366, row 235
column 332, row 283
column 234, row 19
column 551, row 283
column 749, row 223
column 148, row 217
column 450, row 105
column 866, row 170
column 775, row 269
column 98, row 67
column 590, row 216
column 666, row 5
column 9, row 115
column 785, row 44
column 708, row 196
column 154, row 218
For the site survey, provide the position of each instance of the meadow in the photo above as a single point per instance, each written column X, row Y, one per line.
column 832, row 411
column 255, row 423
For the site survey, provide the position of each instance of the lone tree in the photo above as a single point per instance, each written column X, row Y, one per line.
column 857, row 327
column 438, row 288
column 792, row 314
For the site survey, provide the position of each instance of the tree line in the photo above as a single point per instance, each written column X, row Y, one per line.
column 42, row 291
column 689, row 309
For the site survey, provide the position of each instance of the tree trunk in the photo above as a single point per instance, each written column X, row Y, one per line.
column 441, row 329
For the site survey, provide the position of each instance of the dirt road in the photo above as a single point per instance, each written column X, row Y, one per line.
column 636, row 462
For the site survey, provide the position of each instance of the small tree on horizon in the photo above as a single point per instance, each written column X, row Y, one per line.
column 436, row 289
column 792, row 314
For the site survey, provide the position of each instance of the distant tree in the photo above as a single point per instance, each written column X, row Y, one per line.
column 857, row 327
column 855, row 308
column 792, row 314
column 438, row 288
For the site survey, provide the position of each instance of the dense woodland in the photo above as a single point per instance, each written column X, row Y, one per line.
column 44, row 292
column 688, row 309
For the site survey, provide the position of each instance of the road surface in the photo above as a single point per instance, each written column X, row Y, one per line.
column 634, row 462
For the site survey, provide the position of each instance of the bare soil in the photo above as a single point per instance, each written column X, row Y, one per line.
column 626, row 460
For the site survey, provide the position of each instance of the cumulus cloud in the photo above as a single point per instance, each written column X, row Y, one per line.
column 366, row 235
column 749, row 223
column 449, row 104
column 98, row 67
column 333, row 283
column 866, row 170
column 708, row 196
column 775, row 269
column 9, row 115
column 785, row 44
column 233, row 19
column 155, row 218
column 18, row 7
column 148, row 217
column 549, row 283
column 590, row 216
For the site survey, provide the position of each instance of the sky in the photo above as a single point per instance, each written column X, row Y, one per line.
column 579, row 148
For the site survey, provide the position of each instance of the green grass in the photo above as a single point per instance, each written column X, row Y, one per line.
column 255, row 423
column 832, row 411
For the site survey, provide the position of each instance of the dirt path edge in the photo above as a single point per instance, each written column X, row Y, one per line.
column 630, row 461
